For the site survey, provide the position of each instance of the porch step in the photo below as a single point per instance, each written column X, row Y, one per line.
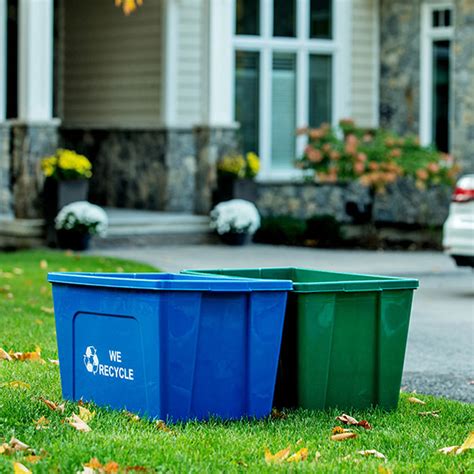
column 137, row 227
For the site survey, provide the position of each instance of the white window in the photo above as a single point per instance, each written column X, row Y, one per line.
column 435, row 75
column 292, row 68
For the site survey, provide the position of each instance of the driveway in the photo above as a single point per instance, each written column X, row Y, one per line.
column 440, row 351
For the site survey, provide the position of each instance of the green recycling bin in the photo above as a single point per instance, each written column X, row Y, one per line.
column 344, row 337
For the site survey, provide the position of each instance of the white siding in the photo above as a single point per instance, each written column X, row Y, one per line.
column 191, row 62
column 365, row 62
column 111, row 65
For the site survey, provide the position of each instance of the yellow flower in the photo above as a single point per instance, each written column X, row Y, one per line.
column 70, row 165
column 232, row 164
column 253, row 163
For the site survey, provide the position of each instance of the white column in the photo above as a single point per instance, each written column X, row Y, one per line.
column 170, row 29
column 219, row 64
column 3, row 59
column 35, row 38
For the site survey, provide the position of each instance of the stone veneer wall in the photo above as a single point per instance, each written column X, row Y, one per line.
column 402, row 203
column 463, row 84
column 29, row 143
column 168, row 169
column 400, row 65
column 5, row 172
column 400, row 41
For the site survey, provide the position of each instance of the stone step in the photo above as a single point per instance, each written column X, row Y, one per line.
column 137, row 227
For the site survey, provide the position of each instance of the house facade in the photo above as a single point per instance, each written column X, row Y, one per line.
column 155, row 98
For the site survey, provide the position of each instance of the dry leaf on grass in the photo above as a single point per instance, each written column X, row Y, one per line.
column 278, row 415
column 384, row 470
column 19, row 468
column 94, row 466
column 85, row 414
column 372, row 452
column 468, row 444
column 416, row 401
column 343, row 436
column 161, row 426
column 434, row 413
column 78, row 424
column 53, row 406
column 299, row 456
column 4, row 355
column 349, row 420
column 47, row 309
column 132, row 416
column 43, row 264
column 42, row 423
column 33, row 458
column 18, row 271
column 54, row 361
column 14, row 445
column 278, row 457
column 340, row 429
column 16, row 384
column 317, row 456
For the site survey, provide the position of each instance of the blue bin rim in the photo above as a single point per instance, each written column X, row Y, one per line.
column 168, row 281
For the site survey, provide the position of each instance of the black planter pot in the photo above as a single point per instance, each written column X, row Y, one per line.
column 235, row 238
column 229, row 187
column 72, row 240
column 56, row 195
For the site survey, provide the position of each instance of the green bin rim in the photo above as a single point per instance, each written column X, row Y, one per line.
column 372, row 283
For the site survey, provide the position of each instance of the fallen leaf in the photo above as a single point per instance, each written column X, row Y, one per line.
column 42, row 423
column 18, row 271
column 468, row 444
column 18, row 468
column 111, row 467
column 349, row 420
column 94, row 463
column 54, row 361
column 300, row 455
column 17, row 445
column 161, row 426
column 300, row 441
column 33, row 458
column 39, row 321
column 434, row 413
column 22, row 356
column 278, row 457
column 384, row 470
column 53, row 406
column 85, row 414
column 17, row 384
column 78, row 424
column 132, row 416
column 372, row 452
column 343, row 436
column 416, row 401
column 278, row 415
column 43, row 264
column 47, row 309
column 4, row 355
column 317, row 456
column 340, row 429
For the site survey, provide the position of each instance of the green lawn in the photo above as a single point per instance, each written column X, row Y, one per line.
column 409, row 441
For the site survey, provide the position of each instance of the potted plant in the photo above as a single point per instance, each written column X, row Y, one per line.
column 236, row 177
column 67, row 180
column 76, row 222
column 235, row 221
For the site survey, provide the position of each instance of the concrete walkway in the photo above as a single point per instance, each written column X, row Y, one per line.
column 440, row 352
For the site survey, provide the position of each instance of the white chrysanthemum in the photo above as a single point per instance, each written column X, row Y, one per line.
column 83, row 214
column 236, row 215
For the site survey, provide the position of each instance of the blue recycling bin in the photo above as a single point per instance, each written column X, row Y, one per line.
column 169, row 346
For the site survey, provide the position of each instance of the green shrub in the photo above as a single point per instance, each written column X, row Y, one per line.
column 281, row 230
column 323, row 231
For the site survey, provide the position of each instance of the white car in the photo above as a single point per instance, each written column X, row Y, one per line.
column 458, row 231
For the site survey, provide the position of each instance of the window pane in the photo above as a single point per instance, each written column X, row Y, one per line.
column 246, row 98
column 440, row 113
column 320, row 25
column 283, row 110
column 247, row 17
column 447, row 17
column 436, row 18
column 320, row 90
column 284, row 17
column 12, row 59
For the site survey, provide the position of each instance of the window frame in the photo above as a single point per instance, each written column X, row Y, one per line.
column 339, row 47
column 3, row 59
column 430, row 34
